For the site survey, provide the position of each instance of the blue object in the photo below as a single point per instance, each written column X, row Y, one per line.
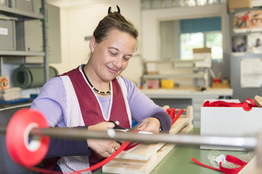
column 33, row 96
column 14, row 101
column 134, row 123
column 200, row 25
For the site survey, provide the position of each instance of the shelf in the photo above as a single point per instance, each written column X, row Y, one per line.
column 166, row 76
column 20, row 53
column 174, row 60
column 19, row 13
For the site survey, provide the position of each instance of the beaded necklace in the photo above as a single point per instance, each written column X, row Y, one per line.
column 96, row 90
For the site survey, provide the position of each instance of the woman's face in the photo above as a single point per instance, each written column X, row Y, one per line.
column 110, row 57
column 255, row 19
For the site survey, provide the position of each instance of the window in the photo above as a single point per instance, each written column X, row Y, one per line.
column 212, row 40
column 179, row 37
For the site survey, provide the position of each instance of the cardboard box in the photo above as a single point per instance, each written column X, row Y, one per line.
column 234, row 4
column 202, row 50
column 220, row 85
column 229, row 121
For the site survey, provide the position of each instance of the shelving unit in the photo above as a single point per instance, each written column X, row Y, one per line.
column 199, row 72
column 20, row 41
column 235, row 59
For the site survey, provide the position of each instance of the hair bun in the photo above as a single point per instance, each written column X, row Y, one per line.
column 110, row 12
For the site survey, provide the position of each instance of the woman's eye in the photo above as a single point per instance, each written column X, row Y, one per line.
column 114, row 54
column 256, row 20
column 126, row 58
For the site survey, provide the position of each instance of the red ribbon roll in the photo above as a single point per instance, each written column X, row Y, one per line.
column 246, row 105
column 19, row 148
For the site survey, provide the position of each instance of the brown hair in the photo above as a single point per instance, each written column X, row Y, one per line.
column 111, row 21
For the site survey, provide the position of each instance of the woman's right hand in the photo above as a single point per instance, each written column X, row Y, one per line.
column 103, row 147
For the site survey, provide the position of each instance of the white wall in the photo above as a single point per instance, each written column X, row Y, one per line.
column 80, row 19
column 150, row 26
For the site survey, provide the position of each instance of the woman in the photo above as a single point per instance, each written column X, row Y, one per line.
column 94, row 94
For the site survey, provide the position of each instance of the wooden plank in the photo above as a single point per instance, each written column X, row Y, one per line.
column 251, row 167
column 145, row 151
column 145, row 157
column 138, row 166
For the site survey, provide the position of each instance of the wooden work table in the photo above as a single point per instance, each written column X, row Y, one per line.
column 179, row 160
column 183, row 97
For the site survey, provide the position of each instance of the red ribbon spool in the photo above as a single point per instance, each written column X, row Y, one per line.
column 19, row 148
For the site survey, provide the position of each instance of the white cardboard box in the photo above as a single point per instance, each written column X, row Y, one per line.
column 229, row 121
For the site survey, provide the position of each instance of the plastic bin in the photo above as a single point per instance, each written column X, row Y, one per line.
column 7, row 34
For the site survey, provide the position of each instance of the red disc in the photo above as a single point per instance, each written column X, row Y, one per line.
column 18, row 146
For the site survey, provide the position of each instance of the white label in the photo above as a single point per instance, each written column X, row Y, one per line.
column 3, row 31
column 220, row 158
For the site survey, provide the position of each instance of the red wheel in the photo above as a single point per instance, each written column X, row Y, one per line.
column 21, row 150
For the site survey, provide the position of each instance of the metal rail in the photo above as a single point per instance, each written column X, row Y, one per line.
column 248, row 143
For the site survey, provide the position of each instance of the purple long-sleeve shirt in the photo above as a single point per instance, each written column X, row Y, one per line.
column 52, row 103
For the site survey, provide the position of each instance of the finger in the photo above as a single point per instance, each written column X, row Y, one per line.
column 142, row 127
column 116, row 146
column 112, row 151
column 110, row 125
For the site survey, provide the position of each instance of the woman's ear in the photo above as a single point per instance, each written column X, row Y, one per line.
column 92, row 44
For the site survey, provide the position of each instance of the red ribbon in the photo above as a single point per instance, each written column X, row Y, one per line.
column 246, row 105
column 171, row 112
column 94, row 167
column 229, row 158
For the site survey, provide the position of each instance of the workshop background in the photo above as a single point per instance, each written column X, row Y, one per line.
column 188, row 46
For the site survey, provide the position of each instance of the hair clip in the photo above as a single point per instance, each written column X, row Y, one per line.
column 110, row 12
column 118, row 9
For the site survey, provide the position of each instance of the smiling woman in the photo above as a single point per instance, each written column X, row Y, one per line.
column 94, row 95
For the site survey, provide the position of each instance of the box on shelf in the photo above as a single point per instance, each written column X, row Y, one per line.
column 25, row 5
column 152, row 84
column 7, row 34
column 220, row 85
column 234, row 4
column 229, row 121
column 167, row 83
column 4, row 82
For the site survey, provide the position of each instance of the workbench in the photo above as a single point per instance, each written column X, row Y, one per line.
column 184, row 96
column 179, row 160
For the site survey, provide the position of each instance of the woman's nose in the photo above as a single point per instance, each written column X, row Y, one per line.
column 118, row 61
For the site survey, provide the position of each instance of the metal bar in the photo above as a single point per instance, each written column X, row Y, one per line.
column 83, row 134
column 46, row 62
column 3, row 129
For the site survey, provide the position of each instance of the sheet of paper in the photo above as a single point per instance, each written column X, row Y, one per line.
column 251, row 73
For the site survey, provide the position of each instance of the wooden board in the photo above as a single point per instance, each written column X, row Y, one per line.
column 251, row 167
column 145, row 151
column 145, row 157
column 138, row 166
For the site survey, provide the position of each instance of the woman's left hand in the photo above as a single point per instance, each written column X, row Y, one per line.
column 151, row 125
